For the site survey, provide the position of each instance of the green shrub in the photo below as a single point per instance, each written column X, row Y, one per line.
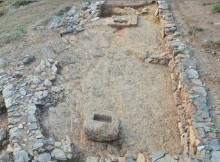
column 195, row 29
column 19, row 3
column 5, row 5
column 218, row 42
column 17, row 33
column 216, row 7
column 63, row 10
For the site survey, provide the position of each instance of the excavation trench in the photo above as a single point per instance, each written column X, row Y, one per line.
column 109, row 74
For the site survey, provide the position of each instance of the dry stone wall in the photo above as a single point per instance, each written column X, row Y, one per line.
column 197, row 130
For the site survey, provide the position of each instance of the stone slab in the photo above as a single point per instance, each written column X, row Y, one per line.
column 132, row 20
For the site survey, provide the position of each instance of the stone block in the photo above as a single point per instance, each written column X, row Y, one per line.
column 101, row 127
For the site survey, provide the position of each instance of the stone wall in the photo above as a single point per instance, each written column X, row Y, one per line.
column 197, row 130
column 26, row 96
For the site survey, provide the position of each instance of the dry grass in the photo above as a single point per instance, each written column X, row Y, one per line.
column 195, row 29
column 5, row 5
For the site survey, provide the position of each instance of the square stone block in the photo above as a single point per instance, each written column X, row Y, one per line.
column 101, row 127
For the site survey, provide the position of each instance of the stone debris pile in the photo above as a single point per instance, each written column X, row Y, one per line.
column 74, row 20
column 25, row 99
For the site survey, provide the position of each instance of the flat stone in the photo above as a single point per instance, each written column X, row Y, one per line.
column 58, row 144
column 56, row 89
column 38, row 145
column 193, row 74
column 33, row 126
column 32, row 109
column 214, row 144
column 20, row 126
column 67, row 30
column 184, row 79
column 74, row 20
column 14, row 132
column 3, row 135
column 4, row 157
column 22, row 91
column 2, row 62
column 49, row 141
column 7, row 94
column 8, row 102
column 70, row 156
column 169, row 25
column 200, row 132
column 59, row 154
column 200, row 102
column 32, row 118
column 196, row 81
column 176, row 44
column 21, row 156
column 215, row 156
column 134, row 20
column 47, row 83
column 55, row 22
column 167, row 158
column 199, row 125
column 200, row 148
column 45, row 157
column 205, row 114
column 140, row 158
column 8, row 87
column 157, row 155
column 92, row 159
column 200, row 90
column 129, row 160
column 54, row 69
column 28, row 59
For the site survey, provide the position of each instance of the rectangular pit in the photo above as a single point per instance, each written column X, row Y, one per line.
column 102, row 118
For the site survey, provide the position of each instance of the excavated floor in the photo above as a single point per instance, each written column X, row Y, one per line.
column 105, row 72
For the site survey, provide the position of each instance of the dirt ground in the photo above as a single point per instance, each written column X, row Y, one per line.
column 194, row 14
column 102, row 70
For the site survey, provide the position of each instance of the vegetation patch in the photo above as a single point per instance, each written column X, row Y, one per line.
column 218, row 43
column 216, row 8
column 17, row 33
column 63, row 10
column 5, row 5
column 195, row 29
column 210, row 3
column 19, row 3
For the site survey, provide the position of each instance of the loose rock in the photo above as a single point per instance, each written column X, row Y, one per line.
column 28, row 59
column 59, row 154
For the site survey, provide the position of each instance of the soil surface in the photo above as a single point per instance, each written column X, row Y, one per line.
column 101, row 69
column 106, row 74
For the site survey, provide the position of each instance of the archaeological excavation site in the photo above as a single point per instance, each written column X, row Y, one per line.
column 108, row 81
